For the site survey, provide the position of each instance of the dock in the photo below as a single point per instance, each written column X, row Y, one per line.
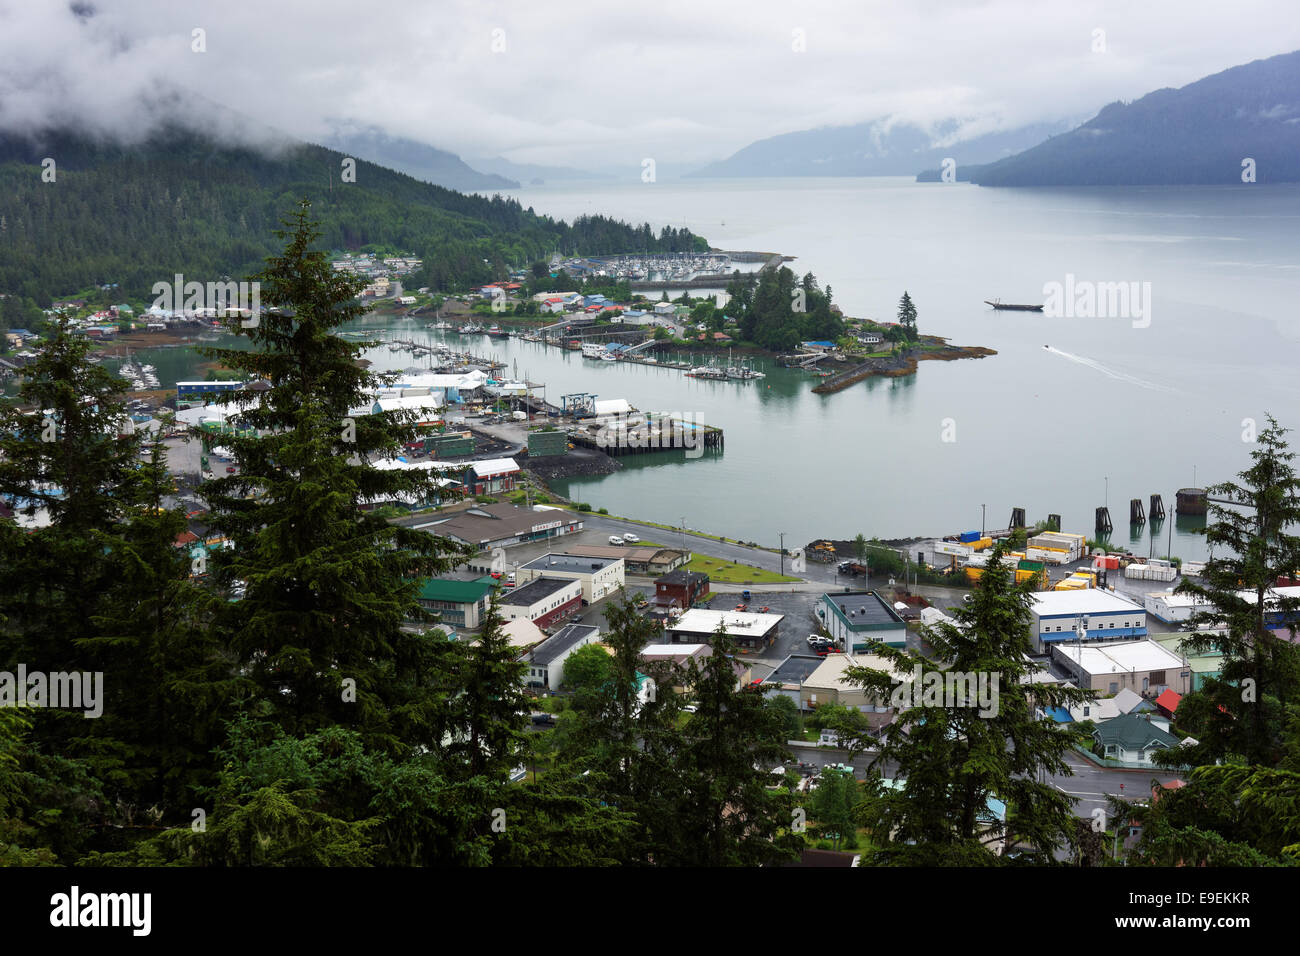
column 647, row 437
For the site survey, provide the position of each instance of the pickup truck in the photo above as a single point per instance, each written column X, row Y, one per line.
column 851, row 568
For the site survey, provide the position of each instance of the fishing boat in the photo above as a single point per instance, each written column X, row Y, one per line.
column 593, row 350
column 1001, row 306
column 498, row 333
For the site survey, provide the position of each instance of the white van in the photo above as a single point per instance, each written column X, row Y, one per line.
column 615, row 539
column 631, row 538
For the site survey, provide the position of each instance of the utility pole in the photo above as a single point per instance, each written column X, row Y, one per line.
column 982, row 520
column 782, row 534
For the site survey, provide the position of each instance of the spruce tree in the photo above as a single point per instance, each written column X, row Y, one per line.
column 328, row 587
column 951, row 759
column 1252, row 544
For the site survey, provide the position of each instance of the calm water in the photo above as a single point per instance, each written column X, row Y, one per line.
column 1109, row 412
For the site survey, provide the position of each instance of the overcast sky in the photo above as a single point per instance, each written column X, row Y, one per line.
column 595, row 83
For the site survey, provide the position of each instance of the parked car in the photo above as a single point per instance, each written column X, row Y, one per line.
column 615, row 539
column 631, row 537
column 543, row 718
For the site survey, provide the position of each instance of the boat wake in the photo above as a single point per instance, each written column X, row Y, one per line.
column 1109, row 372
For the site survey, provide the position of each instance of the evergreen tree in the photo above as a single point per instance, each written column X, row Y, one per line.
column 952, row 758
column 328, row 586
column 907, row 317
column 1239, row 713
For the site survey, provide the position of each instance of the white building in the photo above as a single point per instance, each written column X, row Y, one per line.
column 1108, row 616
column 1143, row 667
column 600, row 577
column 1173, row 608
column 546, row 660
column 748, row 629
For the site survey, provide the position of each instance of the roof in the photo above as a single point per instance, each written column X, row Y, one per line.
column 682, row 577
column 830, row 672
column 486, row 523
column 1127, row 700
column 1133, row 732
column 569, row 564
column 864, row 610
column 736, row 623
column 457, row 592
column 1169, row 700
column 794, row 669
column 676, row 650
column 633, row 553
column 522, row 633
column 1058, row 714
column 1121, row 658
column 1082, row 601
column 494, row 466
column 563, row 641
column 611, row 406
column 536, row 590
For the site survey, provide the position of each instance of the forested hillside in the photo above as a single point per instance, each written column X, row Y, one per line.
column 180, row 203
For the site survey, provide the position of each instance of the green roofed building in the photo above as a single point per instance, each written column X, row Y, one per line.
column 456, row 602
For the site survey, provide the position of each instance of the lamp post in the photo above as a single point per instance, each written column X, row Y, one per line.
column 982, row 520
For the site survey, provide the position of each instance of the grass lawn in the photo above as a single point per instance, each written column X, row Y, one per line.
column 723, row 571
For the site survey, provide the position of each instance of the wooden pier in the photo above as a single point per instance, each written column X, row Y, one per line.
column 648, row 437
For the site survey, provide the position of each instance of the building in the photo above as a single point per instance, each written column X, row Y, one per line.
column 497, row 526
column 1132, row 739
column 680, row 589
column 193, row 390
column 522, row 633
column 1173, row 608
column 856, row 619
column 1141, row 666
column 546, row 660
column 636, row 560
column 544, row 601
column 546, row 444
column 678, row 654
column 790, row 674
column 750, row 630
column 1109, row 616
column 491, row 477
column 462, row 603
column 600, row 577
column 828, row 684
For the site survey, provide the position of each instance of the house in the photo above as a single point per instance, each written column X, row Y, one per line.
column 789, row 676
column 1167, row 703
column 678, row 654
column 599, row 577
column 1132, row 739
column 546, row 660
column 856, row 619
column 545, row 601
column 750, row 630
column 680, row 589
column 462, row 603
column 1144, row 667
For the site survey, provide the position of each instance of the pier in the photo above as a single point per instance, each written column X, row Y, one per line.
column 648, row 436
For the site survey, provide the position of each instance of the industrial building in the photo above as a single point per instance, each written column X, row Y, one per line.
column 491, row 477
column 546, row 660
column 749, row 629
column 857, row 619
column 1144, row 667
column 544, row 601
column 1173, row 608
column 1109, row 616
column 790, row 674
column 599, row 577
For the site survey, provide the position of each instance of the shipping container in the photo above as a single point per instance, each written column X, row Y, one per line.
column 966, row 537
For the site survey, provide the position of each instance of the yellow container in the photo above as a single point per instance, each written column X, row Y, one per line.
column 981, row 544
